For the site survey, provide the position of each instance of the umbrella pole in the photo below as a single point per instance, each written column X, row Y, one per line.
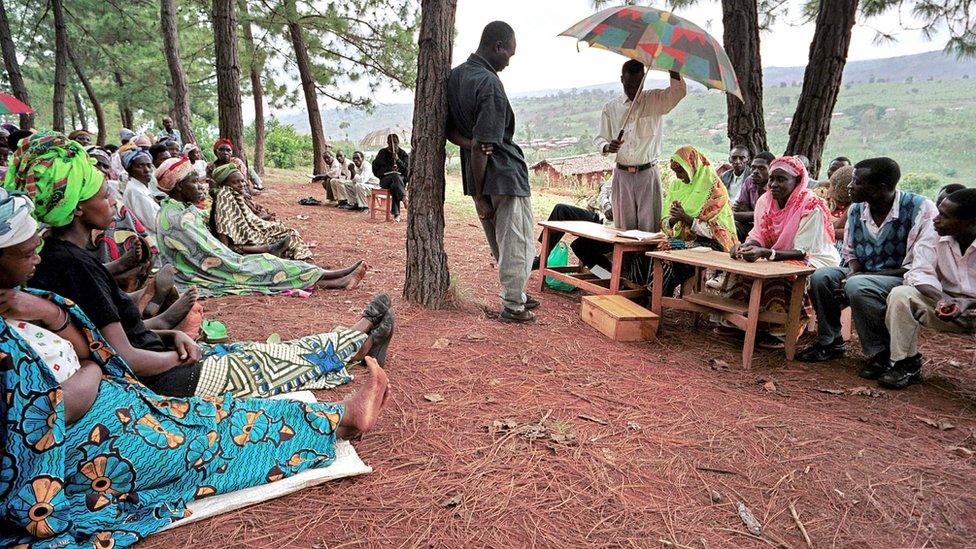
column 640, row 94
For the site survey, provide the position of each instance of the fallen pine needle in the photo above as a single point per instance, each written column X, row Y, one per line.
column 670, row 543
column 799, row 524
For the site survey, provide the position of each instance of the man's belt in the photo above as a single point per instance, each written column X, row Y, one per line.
column 636, row 169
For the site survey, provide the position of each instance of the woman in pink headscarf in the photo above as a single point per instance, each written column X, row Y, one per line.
column 792, row 224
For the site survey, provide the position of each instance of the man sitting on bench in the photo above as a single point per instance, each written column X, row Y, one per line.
column 591, row 253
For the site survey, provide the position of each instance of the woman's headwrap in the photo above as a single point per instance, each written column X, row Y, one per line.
column 129, row 156
column 703, row 188
column 16, row 223
column 78, row 133
column 778, row 227
column 221, row 173
column 125, row 134
column 223, row 141
column 56, row 174
column 99, row 154
column 840, row 182
column 189, row 147
column 142, row 141
column 172, row 171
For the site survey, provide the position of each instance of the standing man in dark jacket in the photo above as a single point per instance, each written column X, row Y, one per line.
column 392, row 167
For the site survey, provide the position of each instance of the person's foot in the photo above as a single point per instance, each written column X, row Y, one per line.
column 356, row 277
column 341, row 273
column 820, row 352
column 176, row 313
column 377, row 308
column 531, row 303
column 362, row 209
column 130, row 259
column 342, row 204
column 717, row 282
column 363, row 408
column 535, row 263
column 516, row 317
column 396, row 218
column 766, row 340
column 277, row 248
column 875, row 366
column 163, row 283
column 903, row 373
column 381, row 336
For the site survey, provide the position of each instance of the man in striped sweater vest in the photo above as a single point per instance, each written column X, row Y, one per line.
column 883, row 226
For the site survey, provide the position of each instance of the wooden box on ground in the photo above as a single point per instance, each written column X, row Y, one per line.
column 619, row 318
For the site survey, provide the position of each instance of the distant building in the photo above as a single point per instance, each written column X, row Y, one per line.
column 572, row 171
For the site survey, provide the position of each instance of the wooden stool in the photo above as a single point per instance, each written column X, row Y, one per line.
column 619, row 318
column 379, row 201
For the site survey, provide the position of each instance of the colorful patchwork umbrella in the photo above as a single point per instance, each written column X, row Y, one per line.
column 11, row 105
column 660, row 40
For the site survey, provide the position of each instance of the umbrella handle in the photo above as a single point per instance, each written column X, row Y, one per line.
column 620, row 136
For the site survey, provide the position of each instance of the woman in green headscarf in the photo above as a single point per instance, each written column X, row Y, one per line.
column 239, row 225
column 697, row 211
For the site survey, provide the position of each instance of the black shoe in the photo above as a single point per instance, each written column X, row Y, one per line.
column 531, row 303
column 876, row 366
column 903, row 373
column 535, row 263
column 818, row 352
column 346, row 207
column 342, row 204
column 513, row 317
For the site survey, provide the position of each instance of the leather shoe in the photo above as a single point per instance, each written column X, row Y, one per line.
column 819, row 352
column 514, row 317
column 875, row 366
column 903, row 373
column 535, row 263
column 531, row 303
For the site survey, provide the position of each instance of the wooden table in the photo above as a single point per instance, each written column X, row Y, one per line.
column 575, row 275
column 744, row 316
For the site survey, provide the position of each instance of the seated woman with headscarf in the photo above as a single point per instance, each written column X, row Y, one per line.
column 73, row 201
column 201, row 260
column 236, row 221
column 839, row 200
column 139, row 196
column 792, row 224
column 223, row 150
column 697, row 212
column 193, row 152
column 91, row 457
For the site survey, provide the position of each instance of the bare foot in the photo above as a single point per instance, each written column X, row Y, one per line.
column 176, row 313
column 131, row 258
column 340, row 273
column 363, row 408
column 356, row 277
column 277, row 248
column 163, row 284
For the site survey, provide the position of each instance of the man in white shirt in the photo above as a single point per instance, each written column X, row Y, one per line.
column 169, row 132
column 346, row 172
column 637, row 196
column 359, row 186
column 939, row 290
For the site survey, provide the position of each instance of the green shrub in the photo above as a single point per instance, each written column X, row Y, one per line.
column 285, row 148
column 927, row 184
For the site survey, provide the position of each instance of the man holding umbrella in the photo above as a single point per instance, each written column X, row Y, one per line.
column 630, row 128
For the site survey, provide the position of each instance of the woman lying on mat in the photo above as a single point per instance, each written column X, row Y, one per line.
column 201, row 260
column 696, row 212
column 168, row 361
column 244, row 226
column 792, row 224
column 92, row 457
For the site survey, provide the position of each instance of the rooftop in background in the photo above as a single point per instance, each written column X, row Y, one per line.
column 577, row 165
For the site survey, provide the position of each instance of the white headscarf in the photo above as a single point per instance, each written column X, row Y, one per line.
column 16, row 223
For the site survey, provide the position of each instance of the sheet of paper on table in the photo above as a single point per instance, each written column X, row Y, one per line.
column 640, row 236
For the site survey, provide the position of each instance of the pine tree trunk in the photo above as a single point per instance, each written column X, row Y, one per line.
column 747, row 127
column 92, row 98
column 12, row 66
column 427, row 277
column 80, row 109
column 179, row 91
column 308, row 86
column 230, row 119
column 60, row 65
column 257, row 89
column 125, row 112
column 822, row 80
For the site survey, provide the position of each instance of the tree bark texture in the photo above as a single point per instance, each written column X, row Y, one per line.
column 747, row 127
column 92, row 98
column 822, row 80
column 257, row 89
column 311, row 98
column 427, row 277
column 60, row 66
column 229, row 115
column 179, row 91
column 80, row 109
column 12, row 66
column 125, row 111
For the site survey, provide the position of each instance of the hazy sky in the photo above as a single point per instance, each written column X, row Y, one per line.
column 544, row 60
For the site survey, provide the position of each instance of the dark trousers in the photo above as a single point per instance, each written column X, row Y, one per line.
column 589, row 252
column 398, row 189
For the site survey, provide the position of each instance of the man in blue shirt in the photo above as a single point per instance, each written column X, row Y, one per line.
column 493, row 169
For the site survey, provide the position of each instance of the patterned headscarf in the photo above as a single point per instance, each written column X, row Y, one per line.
column 142, row 141
column 125, row 134
column 190, row 147
column 56, row 174
column 223, row 141
column 16, row 223
column 840, row 185
column 703, row 188
column 172, row 171
column 778, row 227
column 130, row 156
column 221, row 173
column 78, row 133
column 98, row 153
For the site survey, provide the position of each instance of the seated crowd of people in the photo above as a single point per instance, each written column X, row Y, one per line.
column 101, row 276
column 348, row 183
column 898, row 260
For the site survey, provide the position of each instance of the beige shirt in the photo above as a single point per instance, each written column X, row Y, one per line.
column 642, row 135
column 939, row 263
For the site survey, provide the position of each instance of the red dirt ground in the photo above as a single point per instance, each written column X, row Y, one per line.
column 636, row 437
